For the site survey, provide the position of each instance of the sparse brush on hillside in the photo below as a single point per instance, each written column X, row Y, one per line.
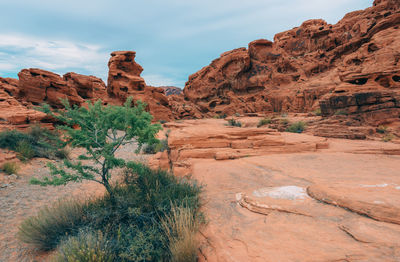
column 264, row 121
column 382, row 129
column 297, row 127
column 10, row 168
column 160, row 146
column 341, row 112
column 37, row 142
column 317, row 112
column 233, row 122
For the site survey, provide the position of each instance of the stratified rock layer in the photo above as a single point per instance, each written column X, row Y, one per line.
column 351, row 66
column 88, row 87
column 271, row 196
column 39, row 86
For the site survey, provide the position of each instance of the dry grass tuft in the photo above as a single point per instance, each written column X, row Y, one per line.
column 181, row 228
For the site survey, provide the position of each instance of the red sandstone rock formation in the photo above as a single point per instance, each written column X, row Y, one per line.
column 352, row 65
column 88, row 87
column 39, row 86
column 124, row 80
column 171, row 90
column 13, row 113
column 124, row 75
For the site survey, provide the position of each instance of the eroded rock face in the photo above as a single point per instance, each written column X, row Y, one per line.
column 124, row 80
column 88, row 87
column 350, row 65
column 124, row 75
column 39, row 86
column 14, row 114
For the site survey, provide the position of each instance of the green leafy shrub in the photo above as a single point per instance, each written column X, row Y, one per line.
column 85, row 247
column 131, row 220
column 233, row 122
column 51, row 224
column 297, row 127
column 102, row 131
column 10, row 168
column 160, row 146
column 264, row 121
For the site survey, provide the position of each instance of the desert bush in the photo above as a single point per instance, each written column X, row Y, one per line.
column 25, row 150
column 10, row 168
column 284, row 121
column 131, row 220
column 85, row 247
column 317, row 112
column 51, row 224
column 9, row 139
column 233, row 122
column 220, row 116
column 263, row 122
column 387, row 137
column 181, row 227
column 341, row 112
column 297, row 127
column 38, row 142
column 160, row 146
column 382, row 129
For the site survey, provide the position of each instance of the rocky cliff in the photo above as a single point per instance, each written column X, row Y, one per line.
column 350, row 68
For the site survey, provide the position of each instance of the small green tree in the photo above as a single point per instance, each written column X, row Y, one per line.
column 100, row 130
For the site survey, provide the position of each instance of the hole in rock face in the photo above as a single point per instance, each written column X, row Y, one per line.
column 383, row 81
column 396, row 78
column 372, row 48
column 213, row 104
column 359, row 81
column 125, row 89
column 387, row 14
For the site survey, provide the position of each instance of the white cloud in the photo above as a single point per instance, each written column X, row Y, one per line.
column 22, row 51
column 158, row 80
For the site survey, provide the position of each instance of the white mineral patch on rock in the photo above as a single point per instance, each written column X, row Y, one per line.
column 284, row 192
column 379, row 185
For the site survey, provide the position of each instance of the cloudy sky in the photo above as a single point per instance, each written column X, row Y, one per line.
column 172, row 38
